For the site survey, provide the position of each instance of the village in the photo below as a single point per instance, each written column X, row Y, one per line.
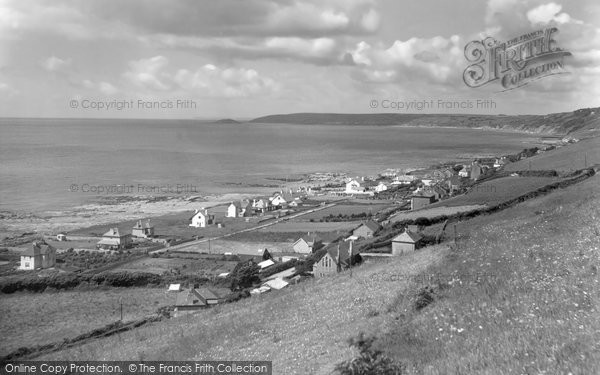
column 313, row 230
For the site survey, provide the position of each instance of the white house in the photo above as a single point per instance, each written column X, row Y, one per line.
column 403, row 180
column 464, row 172
column 234, row 209
column 381, row 187
column 353, row 187
column 39, row 255
column 201, row 219
column 278, row 200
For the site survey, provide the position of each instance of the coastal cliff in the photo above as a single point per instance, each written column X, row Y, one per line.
column 584, row 122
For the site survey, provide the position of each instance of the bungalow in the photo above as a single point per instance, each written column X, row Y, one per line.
column 353, row 187
column 278, row 201
column 405, row 242
column 61, row 237
column 39, row 255
column 366, row 229
column 114, row 240
column 421, row 200
column 277, row 283
column 142, row 231
column 381, row 187
column 307, row 244
column 261, row 205
column 265, row 264
column 336, row 259
column 201, row 219
column 195, row 299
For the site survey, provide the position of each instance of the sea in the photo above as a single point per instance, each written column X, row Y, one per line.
column 49, row 164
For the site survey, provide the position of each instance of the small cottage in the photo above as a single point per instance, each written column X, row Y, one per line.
column 405, row 242
column 421, row 200
column 142, row 230
column 115, row 240
column 366, row 229
column 39, row 255
column 201, row 219
column 307, row 244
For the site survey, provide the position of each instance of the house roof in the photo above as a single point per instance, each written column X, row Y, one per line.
column 423, row 194
column 176, row 287
column 187, row 298
column 114, row 233
column 344, row 246
column 206, row 293
column 40, row 248
column 277, row 284
column 372, row 225
column 309, row 239
column 285, row 273
column 455, row 180
column 407, row 237
column 266, row 263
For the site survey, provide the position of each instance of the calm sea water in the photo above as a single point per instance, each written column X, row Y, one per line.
column 41, row 159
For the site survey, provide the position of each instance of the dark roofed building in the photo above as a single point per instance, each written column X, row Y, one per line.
column 421, row 200
column 39, row 255
column 336, row 259
column 366, row 229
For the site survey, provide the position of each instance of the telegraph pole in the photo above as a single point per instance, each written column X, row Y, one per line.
column 121, row 307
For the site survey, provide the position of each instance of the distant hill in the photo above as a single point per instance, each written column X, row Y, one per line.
column 583, row 121
column 227, row 121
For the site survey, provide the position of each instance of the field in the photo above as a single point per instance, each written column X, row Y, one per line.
column 533, row 309
column 346, row 210
column 568, row 158
column 185, row 265
column 434, row 211
column 497, row 191
column 30, row 319
column 239, row 247
column 177, row 226
column 301, row 226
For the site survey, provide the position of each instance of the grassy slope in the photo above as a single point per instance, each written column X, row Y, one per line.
column 569, row 158
column 36, row 319
column 538, row 314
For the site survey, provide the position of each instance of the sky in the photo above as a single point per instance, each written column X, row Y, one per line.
column 244, row 59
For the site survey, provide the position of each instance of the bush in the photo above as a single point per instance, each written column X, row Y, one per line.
column 369, row 361
column 423, row 298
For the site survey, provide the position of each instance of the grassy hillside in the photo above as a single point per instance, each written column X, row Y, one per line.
column 533, row 309
column 583, row 121
column 573, row 157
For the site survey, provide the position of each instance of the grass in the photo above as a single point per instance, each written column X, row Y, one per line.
column 301, row 226
column 434, row 212
column 185, row 266
column 30, row 319
column 346, row 209
column 536, row 313
column 569, row 158
column 497, row 191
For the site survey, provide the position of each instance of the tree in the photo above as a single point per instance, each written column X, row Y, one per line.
column 244, row 275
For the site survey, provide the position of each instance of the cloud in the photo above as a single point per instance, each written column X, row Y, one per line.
column 436, row 60
column 545, row 13
column 55, row 64
column 208, row 80
column 148, row 73
column 103, row 87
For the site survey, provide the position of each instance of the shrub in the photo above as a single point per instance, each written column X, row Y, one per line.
column 369, row 360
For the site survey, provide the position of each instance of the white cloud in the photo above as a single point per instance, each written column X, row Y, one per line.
column 55, row 64
column 545, row 13
column 148, row 73
column 103, row 87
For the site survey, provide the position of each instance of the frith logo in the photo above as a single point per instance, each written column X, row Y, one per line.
column 516, row 62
